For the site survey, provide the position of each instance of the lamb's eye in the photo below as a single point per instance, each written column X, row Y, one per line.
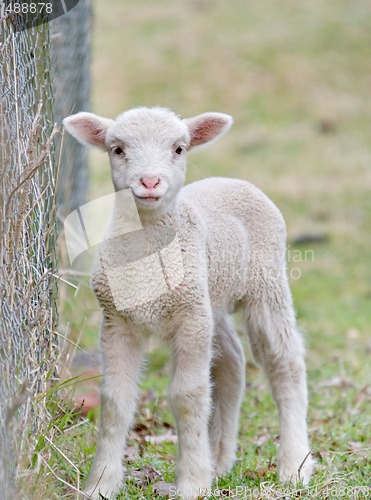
column 179, row 150
column 118, row 151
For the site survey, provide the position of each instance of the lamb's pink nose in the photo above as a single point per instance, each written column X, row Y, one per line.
column 150, row 182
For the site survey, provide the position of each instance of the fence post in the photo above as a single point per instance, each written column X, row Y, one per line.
column 70, row 50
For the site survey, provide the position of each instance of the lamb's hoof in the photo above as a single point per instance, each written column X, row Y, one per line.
column 97, row 495
column 188, row 491
column 294, row 474
column 104, row 482
column 164, row 489
column 224, row 466
column 104, row 490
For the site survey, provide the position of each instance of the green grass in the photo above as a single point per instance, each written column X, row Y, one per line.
column 296, row 78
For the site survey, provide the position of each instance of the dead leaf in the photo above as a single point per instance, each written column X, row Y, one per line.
column 147, row 397
column 262, row 439
column 131, row 453
column 145, row 475
column 260, row 472
column 85, row 402
column 164, row 489
column 337, row 381
column 141, row 428
column 168, row 437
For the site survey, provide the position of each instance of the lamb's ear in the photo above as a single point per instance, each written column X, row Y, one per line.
column 207, row 127
column 88, row 128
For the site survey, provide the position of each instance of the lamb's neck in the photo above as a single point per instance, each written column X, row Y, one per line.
column 158, row 217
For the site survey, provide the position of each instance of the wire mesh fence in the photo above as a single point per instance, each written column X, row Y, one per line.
column 30, row 101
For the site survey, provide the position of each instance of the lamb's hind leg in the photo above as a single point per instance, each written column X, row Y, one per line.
column 278, row 347
column 228, row 378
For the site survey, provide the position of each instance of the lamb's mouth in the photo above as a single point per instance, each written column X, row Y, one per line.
column 148, row 199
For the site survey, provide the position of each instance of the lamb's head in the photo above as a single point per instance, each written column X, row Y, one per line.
column 148, row 148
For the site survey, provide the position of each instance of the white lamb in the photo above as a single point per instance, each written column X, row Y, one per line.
column 232, row 242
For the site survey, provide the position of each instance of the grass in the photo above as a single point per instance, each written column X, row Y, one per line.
column 295, row 77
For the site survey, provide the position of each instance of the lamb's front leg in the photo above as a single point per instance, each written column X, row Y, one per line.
column 122, row 359
column 190, row 401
